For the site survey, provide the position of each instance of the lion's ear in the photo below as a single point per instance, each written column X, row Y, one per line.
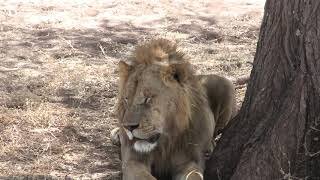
column 179, row 72
column 124, row 70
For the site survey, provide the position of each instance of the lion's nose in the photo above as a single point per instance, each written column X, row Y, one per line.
column 132, row 127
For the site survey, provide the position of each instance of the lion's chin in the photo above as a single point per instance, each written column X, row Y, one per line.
column 143, row 146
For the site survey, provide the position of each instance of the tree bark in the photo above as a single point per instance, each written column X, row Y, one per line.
column 276, row 134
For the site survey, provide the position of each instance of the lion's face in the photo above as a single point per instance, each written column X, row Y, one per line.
column 153, row 105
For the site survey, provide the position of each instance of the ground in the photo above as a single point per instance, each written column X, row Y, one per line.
column 58, row 72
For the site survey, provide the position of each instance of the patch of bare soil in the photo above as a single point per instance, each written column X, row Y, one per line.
column 58, row 74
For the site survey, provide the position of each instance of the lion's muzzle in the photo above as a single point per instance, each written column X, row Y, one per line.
column 145, row 134
column 144, row 141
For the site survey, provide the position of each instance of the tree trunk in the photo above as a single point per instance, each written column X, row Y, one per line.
column 276, row 134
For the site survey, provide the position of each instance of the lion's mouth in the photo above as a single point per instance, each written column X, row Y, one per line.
column 152, row 139
column 149, row 136
column 143, row 142
column 146, row 145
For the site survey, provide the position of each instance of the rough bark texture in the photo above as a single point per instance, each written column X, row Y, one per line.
column 276, row 135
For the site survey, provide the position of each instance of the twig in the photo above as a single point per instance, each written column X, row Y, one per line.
column 102, row 50
column 68, row 42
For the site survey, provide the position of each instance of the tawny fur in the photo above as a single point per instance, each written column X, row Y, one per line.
column 191, row 128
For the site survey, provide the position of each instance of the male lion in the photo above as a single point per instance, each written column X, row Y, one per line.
column 167, row 114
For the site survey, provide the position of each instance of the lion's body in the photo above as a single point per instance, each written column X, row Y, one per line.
column 167, row 114
column 221, row 96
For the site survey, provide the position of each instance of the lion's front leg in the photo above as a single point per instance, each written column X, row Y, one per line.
column 134, row 170
column 132, row 167
column 190, row 172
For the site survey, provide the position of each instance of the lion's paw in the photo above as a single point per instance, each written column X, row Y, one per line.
column 115, row 136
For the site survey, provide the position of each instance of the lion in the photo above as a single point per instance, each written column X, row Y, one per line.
column 168, row 116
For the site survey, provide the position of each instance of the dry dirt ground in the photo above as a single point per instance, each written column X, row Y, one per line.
column 58, row 72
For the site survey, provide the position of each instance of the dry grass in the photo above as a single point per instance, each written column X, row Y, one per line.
column 58, row 76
